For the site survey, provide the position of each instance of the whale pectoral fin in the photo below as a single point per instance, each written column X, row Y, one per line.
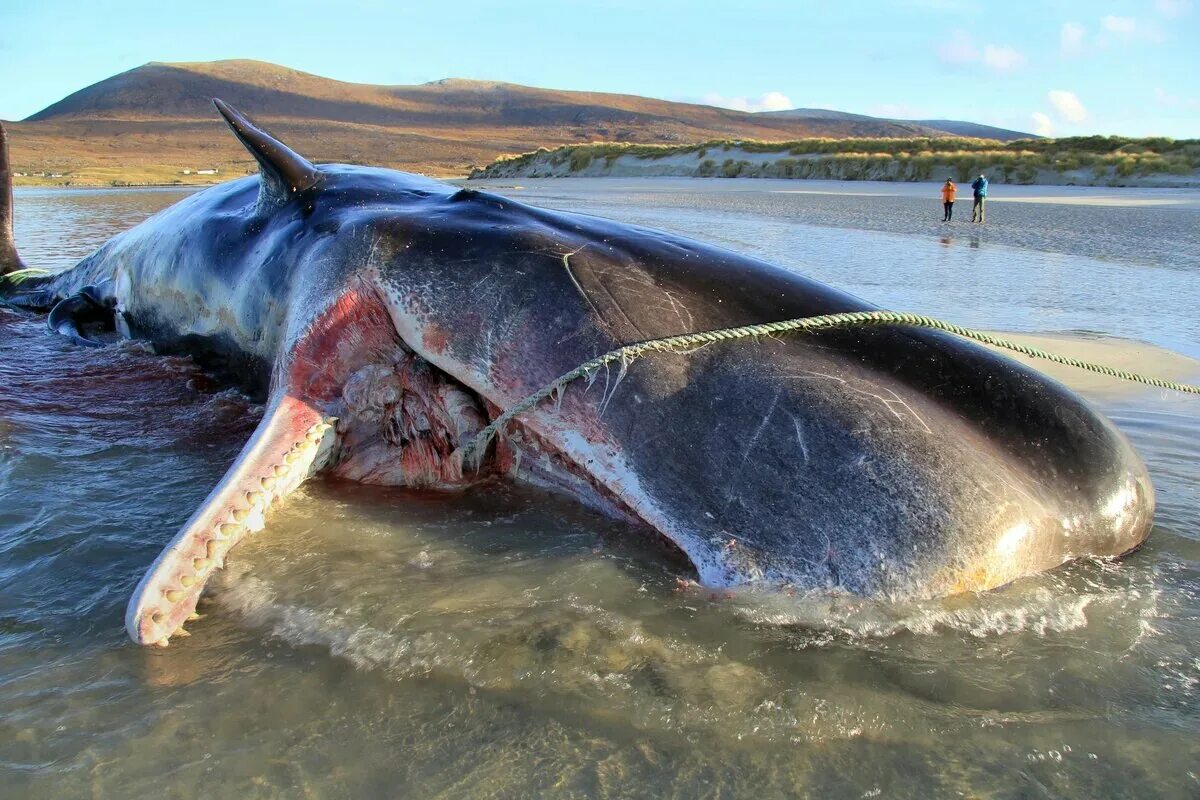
column 88, row 309
column 293, row 441
column 67, row 318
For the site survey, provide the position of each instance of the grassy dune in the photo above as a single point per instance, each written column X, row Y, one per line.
column 1106, row 160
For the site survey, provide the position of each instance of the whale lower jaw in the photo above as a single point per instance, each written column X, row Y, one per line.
column 293, row 441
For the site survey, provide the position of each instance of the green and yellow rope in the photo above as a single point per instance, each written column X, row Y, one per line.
column 689, row 340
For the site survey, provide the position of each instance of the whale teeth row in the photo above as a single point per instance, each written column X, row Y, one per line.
column 225, row 534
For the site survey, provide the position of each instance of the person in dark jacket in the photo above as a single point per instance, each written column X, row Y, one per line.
column 979, row 187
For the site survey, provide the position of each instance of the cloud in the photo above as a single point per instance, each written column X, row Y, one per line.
column 1165, row 98
column 1123, row 26
column 1042, row 124
column 1067, row 105
column 960, row 49
column 1071, row 38
column 1173, row 8
column 1120, row 31
column 771, row 101
column 1003, row 58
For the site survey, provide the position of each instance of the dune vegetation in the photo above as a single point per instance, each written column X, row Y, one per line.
column 1103, row 160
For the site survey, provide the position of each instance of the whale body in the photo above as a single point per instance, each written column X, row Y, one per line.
column 385, row 318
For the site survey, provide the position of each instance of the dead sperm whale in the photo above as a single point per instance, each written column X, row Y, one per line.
column 386, row 318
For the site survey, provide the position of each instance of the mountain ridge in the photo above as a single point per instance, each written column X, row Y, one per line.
column 932, row 127
column 156, row 120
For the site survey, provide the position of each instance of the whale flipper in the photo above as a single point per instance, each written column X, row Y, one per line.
column 284, row 172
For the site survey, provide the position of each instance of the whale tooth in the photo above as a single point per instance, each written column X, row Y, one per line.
column 230, row 529
column 187, row 581
column 163, row 642
column 213, row 548
column 157, row 617
column 256, row 498
column 281, row 471
column 173, row 595
column 180, row 632
column 194, row 616
column 293, row 456
column 267, row 483
column 201, row 564
column 240, row 514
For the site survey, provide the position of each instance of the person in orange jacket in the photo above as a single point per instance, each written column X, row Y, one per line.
column 949, row 192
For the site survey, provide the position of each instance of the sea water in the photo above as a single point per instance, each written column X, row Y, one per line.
column 507, row 643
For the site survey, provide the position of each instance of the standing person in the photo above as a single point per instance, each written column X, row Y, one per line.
column 980, row 189
column 949, row 192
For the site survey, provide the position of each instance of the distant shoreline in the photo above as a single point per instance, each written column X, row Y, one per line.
column 1108, row 162
column 18, row 184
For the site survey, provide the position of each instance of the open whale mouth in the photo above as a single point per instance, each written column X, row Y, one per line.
column 354, row 401
column 402, row 421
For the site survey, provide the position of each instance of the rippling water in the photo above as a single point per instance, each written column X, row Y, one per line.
column 506, row 643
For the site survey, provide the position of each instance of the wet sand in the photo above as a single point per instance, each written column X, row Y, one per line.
column 1123, row 354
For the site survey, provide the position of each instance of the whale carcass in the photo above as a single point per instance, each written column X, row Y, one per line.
column 385, row 318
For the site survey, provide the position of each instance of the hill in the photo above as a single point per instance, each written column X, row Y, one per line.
column 920, row 127
column 152, row 123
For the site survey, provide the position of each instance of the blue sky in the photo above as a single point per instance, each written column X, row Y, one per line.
column 1058, row 67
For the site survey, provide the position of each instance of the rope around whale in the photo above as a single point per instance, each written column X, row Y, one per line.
column 685, row 341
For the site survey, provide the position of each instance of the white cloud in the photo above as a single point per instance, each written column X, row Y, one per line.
column 1002, row 58
column 1173, row 8
column 960, row 49
column 1125, row 26
column 1165, row 98
column 1042, row 124
column 1071, row 38
column 1067, row 105
column 1121, row 31
column 771, row 101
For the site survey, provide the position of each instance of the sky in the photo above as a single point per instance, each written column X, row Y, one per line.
column 1057, row 67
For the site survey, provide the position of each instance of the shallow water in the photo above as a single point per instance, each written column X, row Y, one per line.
column 506, row 643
